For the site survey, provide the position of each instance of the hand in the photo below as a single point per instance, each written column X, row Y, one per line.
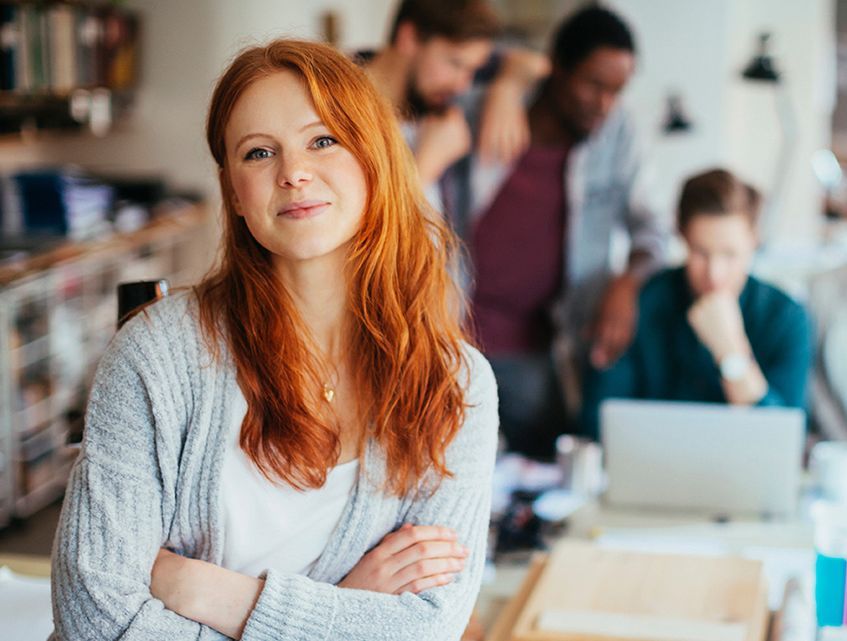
column 716, row 320
column 442, row 140
column 504, row 126
column 410, row 559
column 615, row 323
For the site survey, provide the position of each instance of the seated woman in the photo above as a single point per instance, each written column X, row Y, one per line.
column 301, row 447
column 709, row 331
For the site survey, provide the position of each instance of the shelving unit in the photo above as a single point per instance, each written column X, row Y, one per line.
column 57, row 314
column 65, row 64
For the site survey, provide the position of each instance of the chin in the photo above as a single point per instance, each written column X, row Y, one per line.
column 306, row 252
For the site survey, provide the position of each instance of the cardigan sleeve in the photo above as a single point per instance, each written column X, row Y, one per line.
column 112, row 525
column 293, row 607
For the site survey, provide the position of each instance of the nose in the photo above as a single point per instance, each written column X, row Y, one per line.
column 606, row 102
column 463, row 81
column 294, row 171
column 715, row 273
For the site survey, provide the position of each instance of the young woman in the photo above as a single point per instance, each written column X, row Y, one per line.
column 300, row 448
column 709, row 331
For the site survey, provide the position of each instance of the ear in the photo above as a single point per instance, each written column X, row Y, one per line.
column 407, row 41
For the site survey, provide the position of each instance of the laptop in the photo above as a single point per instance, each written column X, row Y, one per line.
column 705, row 458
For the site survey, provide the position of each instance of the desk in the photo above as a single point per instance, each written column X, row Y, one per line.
column 593, row 522
column 25, row 611
column 785, row 547
column 26, row 564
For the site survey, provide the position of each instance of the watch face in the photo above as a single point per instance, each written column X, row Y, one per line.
column 734, row 366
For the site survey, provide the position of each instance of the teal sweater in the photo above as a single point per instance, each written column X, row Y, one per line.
column 668, row 362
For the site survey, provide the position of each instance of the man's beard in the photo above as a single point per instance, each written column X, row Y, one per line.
column 417, row 106
column 574, row 132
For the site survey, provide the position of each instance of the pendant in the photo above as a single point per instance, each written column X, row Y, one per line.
column 329, row 393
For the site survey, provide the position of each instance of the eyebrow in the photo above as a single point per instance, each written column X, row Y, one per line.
column 243, row 139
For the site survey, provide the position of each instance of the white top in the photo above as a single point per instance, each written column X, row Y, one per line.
column 273, row 525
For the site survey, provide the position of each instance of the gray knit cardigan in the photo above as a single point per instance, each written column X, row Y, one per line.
column 149, row 476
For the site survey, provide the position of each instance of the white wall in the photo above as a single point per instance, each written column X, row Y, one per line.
column 699, row 49
column 803, row 42
column 695, row 47
column 186, row 44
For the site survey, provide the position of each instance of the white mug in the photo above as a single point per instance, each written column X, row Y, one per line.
column 828, row 469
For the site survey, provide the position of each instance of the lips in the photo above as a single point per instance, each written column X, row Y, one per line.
column 303, row 209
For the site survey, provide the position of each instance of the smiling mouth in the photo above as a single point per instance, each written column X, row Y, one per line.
column 304, row 209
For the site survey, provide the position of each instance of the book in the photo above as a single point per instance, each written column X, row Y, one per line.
column 9, row 43
column 62, row 48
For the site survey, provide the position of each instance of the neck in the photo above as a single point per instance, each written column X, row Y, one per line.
column 545, row 126
column 389, row 71
column 318, row 289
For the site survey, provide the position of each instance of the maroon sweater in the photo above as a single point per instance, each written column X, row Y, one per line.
column 518, row 250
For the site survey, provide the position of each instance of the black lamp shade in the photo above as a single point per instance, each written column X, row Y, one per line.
column 762, row 66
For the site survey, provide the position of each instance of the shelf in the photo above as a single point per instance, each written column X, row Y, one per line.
column 32, row 352
column 66, row 65
column 42, row 496
column 64, row 303
column 28, row 419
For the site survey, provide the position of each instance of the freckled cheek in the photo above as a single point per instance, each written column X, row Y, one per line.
column 249, row 193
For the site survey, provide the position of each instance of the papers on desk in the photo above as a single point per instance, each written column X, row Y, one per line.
column 583, row 590
column 514, row 472
column 25, row 611
column 780, row 563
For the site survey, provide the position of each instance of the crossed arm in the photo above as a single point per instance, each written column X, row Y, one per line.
column 108, row 568
column 411, row 559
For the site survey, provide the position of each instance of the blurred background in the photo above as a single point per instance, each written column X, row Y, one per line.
column 692, row 51
column 114, row 139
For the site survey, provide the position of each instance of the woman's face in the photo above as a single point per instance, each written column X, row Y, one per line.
column 300, row 192
column 720, row 251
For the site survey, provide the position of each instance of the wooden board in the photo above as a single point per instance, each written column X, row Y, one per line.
column 589, row 593
column 502, row 629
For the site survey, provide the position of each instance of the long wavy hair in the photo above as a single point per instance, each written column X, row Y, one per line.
column 405, row 333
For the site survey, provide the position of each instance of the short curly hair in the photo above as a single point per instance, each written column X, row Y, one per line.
column 717, row 192
column 586, row 30
column 456, row 20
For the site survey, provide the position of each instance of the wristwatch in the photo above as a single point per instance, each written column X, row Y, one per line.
column 734, row 366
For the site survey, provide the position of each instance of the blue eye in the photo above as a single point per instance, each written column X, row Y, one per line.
column 323, row 142
column 257, row 154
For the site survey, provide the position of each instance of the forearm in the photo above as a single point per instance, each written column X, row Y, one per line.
column 430, row 166
column 206, row 593
column 752, row 386
column 522, row 68
column 748, row 390
column 641, row 265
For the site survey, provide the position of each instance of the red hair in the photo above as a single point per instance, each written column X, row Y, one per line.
column 405, row 336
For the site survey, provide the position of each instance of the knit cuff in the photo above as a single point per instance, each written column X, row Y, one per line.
column 292, row 607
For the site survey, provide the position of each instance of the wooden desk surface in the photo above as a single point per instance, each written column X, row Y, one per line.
column 29, row 565
column 504, row 594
